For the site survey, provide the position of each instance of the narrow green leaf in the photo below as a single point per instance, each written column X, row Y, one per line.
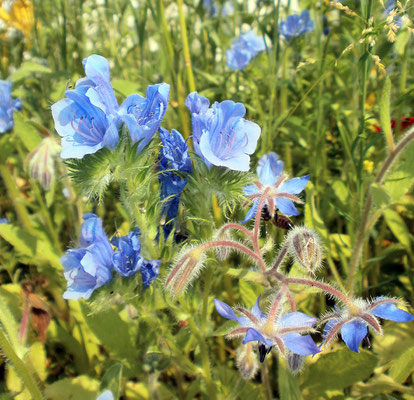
column 112, row 379
column 385, row 112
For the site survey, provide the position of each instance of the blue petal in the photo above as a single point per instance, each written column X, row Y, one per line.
column 106, row 395
column 253, row 335
column 295, row 185
column 353, row 333
column 91, row 230
column 197, row 104
column 392, row 312
column 329, row 326
column 256, row 311
column 298, row 344
column 252, row 212
column 250, row 190
column 225, row 310
column 286, row 206
column 297, row 319
column 269, row 168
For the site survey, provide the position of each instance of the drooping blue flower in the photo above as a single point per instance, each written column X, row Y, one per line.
column 243, row 50
column 127, row 260
column 173, row 156
column 106, row 395
column 353, row 324
column 7, row 107
column 296, row 25
column 89, row 267
column 282, row 333
column 281, row 193
column 149, row 271
column 221, row 135
column 142, row 115
column 87, row 118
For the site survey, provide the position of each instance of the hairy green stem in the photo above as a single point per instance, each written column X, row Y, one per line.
column 365, row 220
column 20, row 367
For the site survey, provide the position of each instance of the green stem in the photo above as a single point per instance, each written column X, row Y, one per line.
column 20, row 367
column 365, row 220
column 186, row 49
column 14, row 194
column 204, row 359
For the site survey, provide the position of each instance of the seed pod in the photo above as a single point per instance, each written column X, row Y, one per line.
column 247, row 361
column 303, row 245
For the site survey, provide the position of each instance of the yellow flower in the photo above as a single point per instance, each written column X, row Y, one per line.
column 368, row 166
column 20, row 16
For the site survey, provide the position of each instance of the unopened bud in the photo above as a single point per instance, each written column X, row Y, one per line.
column 42, row 161
column 222, row 252
column 295, row 362
column 304, row 247
column 247, row 361
column 187, row 267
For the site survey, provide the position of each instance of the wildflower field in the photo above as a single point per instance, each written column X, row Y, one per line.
column 206, row 199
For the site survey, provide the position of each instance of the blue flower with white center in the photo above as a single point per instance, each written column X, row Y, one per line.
column 87, row 119
column 127, row 260
column 142, row 115
column 281, row 191
column 353, row 322
column 173, row 156
column 7, row 107
column 88, row 267
column 243, row 50
column 282, row 332
column 296, row 25
column 221, row 135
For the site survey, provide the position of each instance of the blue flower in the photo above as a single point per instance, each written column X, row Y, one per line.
column 353, row 323
column 142, row 115
column 243, row 50
column 4, row 221
column 173, row 156
column 282, row 332
column 390, row 6
column 127, row 260
column 281, row 193
column 106, row 395
column 221, row 135
column 227, row 9
column 296, row 25
column 88, row 267
column 87, row 119
column 7, row 107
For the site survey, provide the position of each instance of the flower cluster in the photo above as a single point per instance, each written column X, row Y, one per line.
column 89, row 267
column 7, row 107
column 296, row 25
column 243, row 50
column 221, row 136
column 89, row 118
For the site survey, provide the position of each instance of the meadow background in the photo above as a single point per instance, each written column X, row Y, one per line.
column 323, row 102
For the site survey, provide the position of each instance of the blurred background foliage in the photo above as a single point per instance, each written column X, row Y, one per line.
column 319, row 108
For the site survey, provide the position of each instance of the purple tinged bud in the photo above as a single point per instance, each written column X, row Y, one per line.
column 295, row 362
column 305, row 248
column 247, row 361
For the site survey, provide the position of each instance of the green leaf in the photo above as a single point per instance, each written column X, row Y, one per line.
column 38, row 248
column 380, row 197
column 380, row 385
column 336, row 371
column 80, row 388
column 288, row 383
column 225, row 328
column 112, row 380
column 27, row 133
column 403, row 366
column 312, row 217
column 385, row 108
column 398, row 228
column 28, row 69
